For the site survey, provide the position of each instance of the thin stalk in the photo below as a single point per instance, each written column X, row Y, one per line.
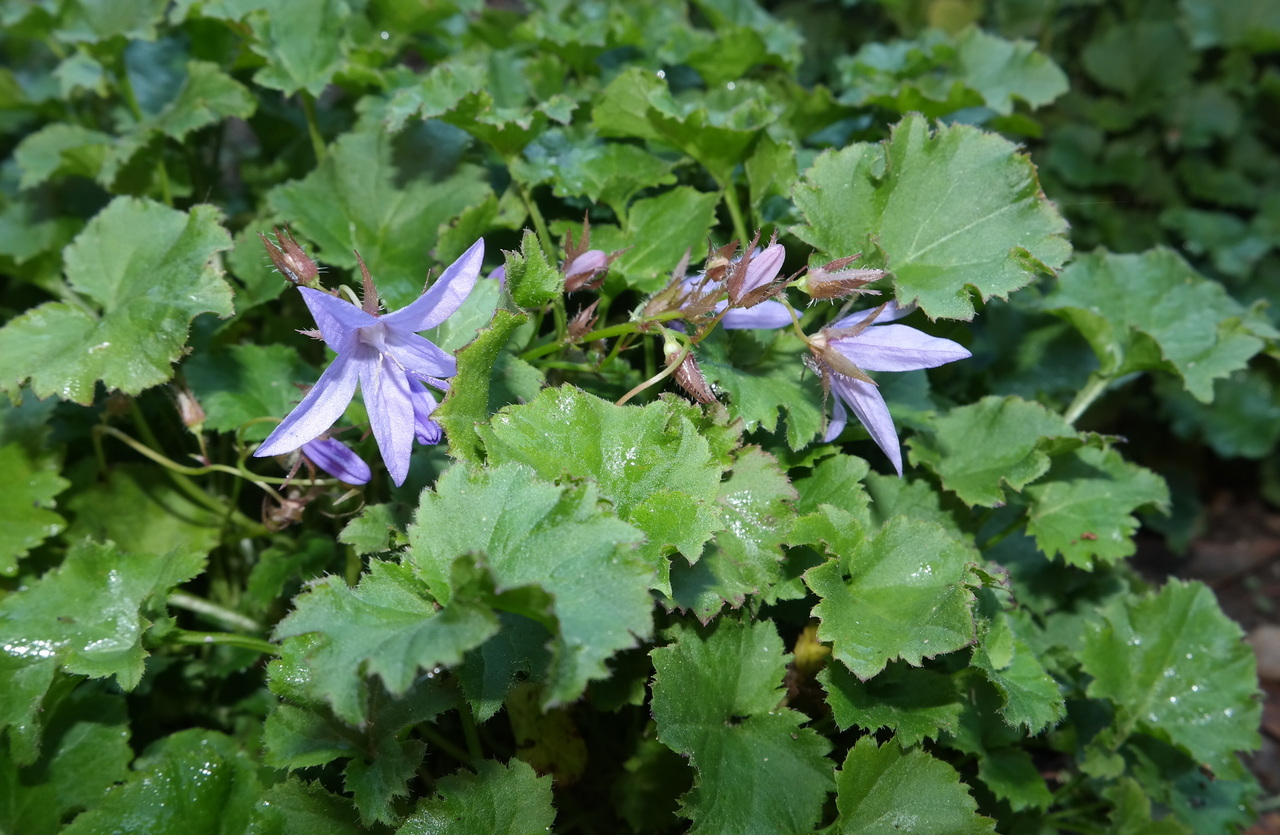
column 200, row 606
column 469, row 731
column 660, row 376
column 730, row 197
column 313, row 126
column 231, row 639
column 435, row 738
column 602, row 333
column 1092, row 390
column 539, row 223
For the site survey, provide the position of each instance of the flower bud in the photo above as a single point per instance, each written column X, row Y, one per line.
column 832, row 281
column 688, row 374
column 586, row 270
column 290, row 260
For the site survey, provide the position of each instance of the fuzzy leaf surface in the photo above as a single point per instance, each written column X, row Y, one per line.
column 551, row 553
column 144, row 272
column 498, row 799
column 903, row 594
column 715, row 701
column 952, row 210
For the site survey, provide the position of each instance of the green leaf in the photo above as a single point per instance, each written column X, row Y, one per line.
column 715, row 700
column 603, row 172
column 1032, row 698
column 883, row 789
column 91, row 612
column 1083, row 508
column 949, row 210
column 60, row 150
column 1151, row 310
column 302, row 42
column 904, row 594
column 763, row 376
column 144, row 272
column 915, row 704
column 1001, row 70
column 531, row 281
column 355, row 200
column 378, row 528
column 979, row 449
column 651, row 462
column 746, row 557
column 27, row 501
column 377, row 780
column 98, row 20
column 85, row 751
column 468, row 403
column 194, row 782
column 550, row 553
column 295, row 807
column 1243, row 419
column 657, row 233
column 518, row 653
column 1254, row 26
column 387, row 626
column 836, row 481
column 1145, row 60
column 142, row 512
column 207, row 97
column 497, row 800
column 1174, row 667
column 638, row 103
column 242, row 382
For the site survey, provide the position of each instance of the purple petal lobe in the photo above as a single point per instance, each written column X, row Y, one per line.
column 898, row 348
column 419, row 357
column 426, row 430
column 764, row 267
column 337, row 459
column 764, row 316
column 444, row 297
column 323, row 405
column 839, row 417
column 869, row 406
column 891, row 311
column 337, row 319
column 389, row 402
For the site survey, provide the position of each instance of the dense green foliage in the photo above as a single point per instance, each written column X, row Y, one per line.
column 597, row 606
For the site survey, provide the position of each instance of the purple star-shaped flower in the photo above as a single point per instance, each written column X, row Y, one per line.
column 389, row 360
column 862, row 342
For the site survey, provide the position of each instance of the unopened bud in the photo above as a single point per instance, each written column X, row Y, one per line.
column 290, row 260
column 833, row 281
column 689, row 375
column 586, row 270
column 189, row 409
column 584, row 322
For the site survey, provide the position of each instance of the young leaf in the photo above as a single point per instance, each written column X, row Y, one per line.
column 1083, row 508
column 1032, row 698
column 952, row 210
column 881, row 789
column 27, row 501
column 715, row 701
column 550, row 553
column 386, row 626
column 904, row 594
column 978, row 449
column 468, row 403
column 207, row 96
column 531, row 281
column 652, row 463
column 237, row 384
column 144, row 272
column 745, row 557
column 658, row 231
column 915, row 704
column 302, row 42
column 295, row 807
column 354, row 200
column 89, row 612
column 497, row 800
column 1152, row 310
column 195, row 782
column 1174, row 666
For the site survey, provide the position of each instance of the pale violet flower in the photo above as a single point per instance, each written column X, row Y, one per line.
column 862, row 342
column 761, row 269
column 389, row 360
column 337, row 459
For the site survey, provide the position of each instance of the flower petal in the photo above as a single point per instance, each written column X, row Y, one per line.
column 764, row 316
column 426, row 430
column 420, row 357
column 444, row 297
column 869, row 406
column 763, row 267
column 839, row 417
column 389, row 402
column 892, row 310
column 337, row 318
column 337, row 459
column 898, row 348
column 322, row 406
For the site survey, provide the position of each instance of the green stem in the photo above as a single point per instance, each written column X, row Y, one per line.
column 189, row 638
column 469, row 731
column 313, row 127
column 438, row 740
column 602, row 333
column 200, row 606
column 730, row 197
column 539, row 223
column 661, row 375
column 1092, row 390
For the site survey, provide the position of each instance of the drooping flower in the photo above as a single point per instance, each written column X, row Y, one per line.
column 863, row 342
column 338, row 460
column 389, row 360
